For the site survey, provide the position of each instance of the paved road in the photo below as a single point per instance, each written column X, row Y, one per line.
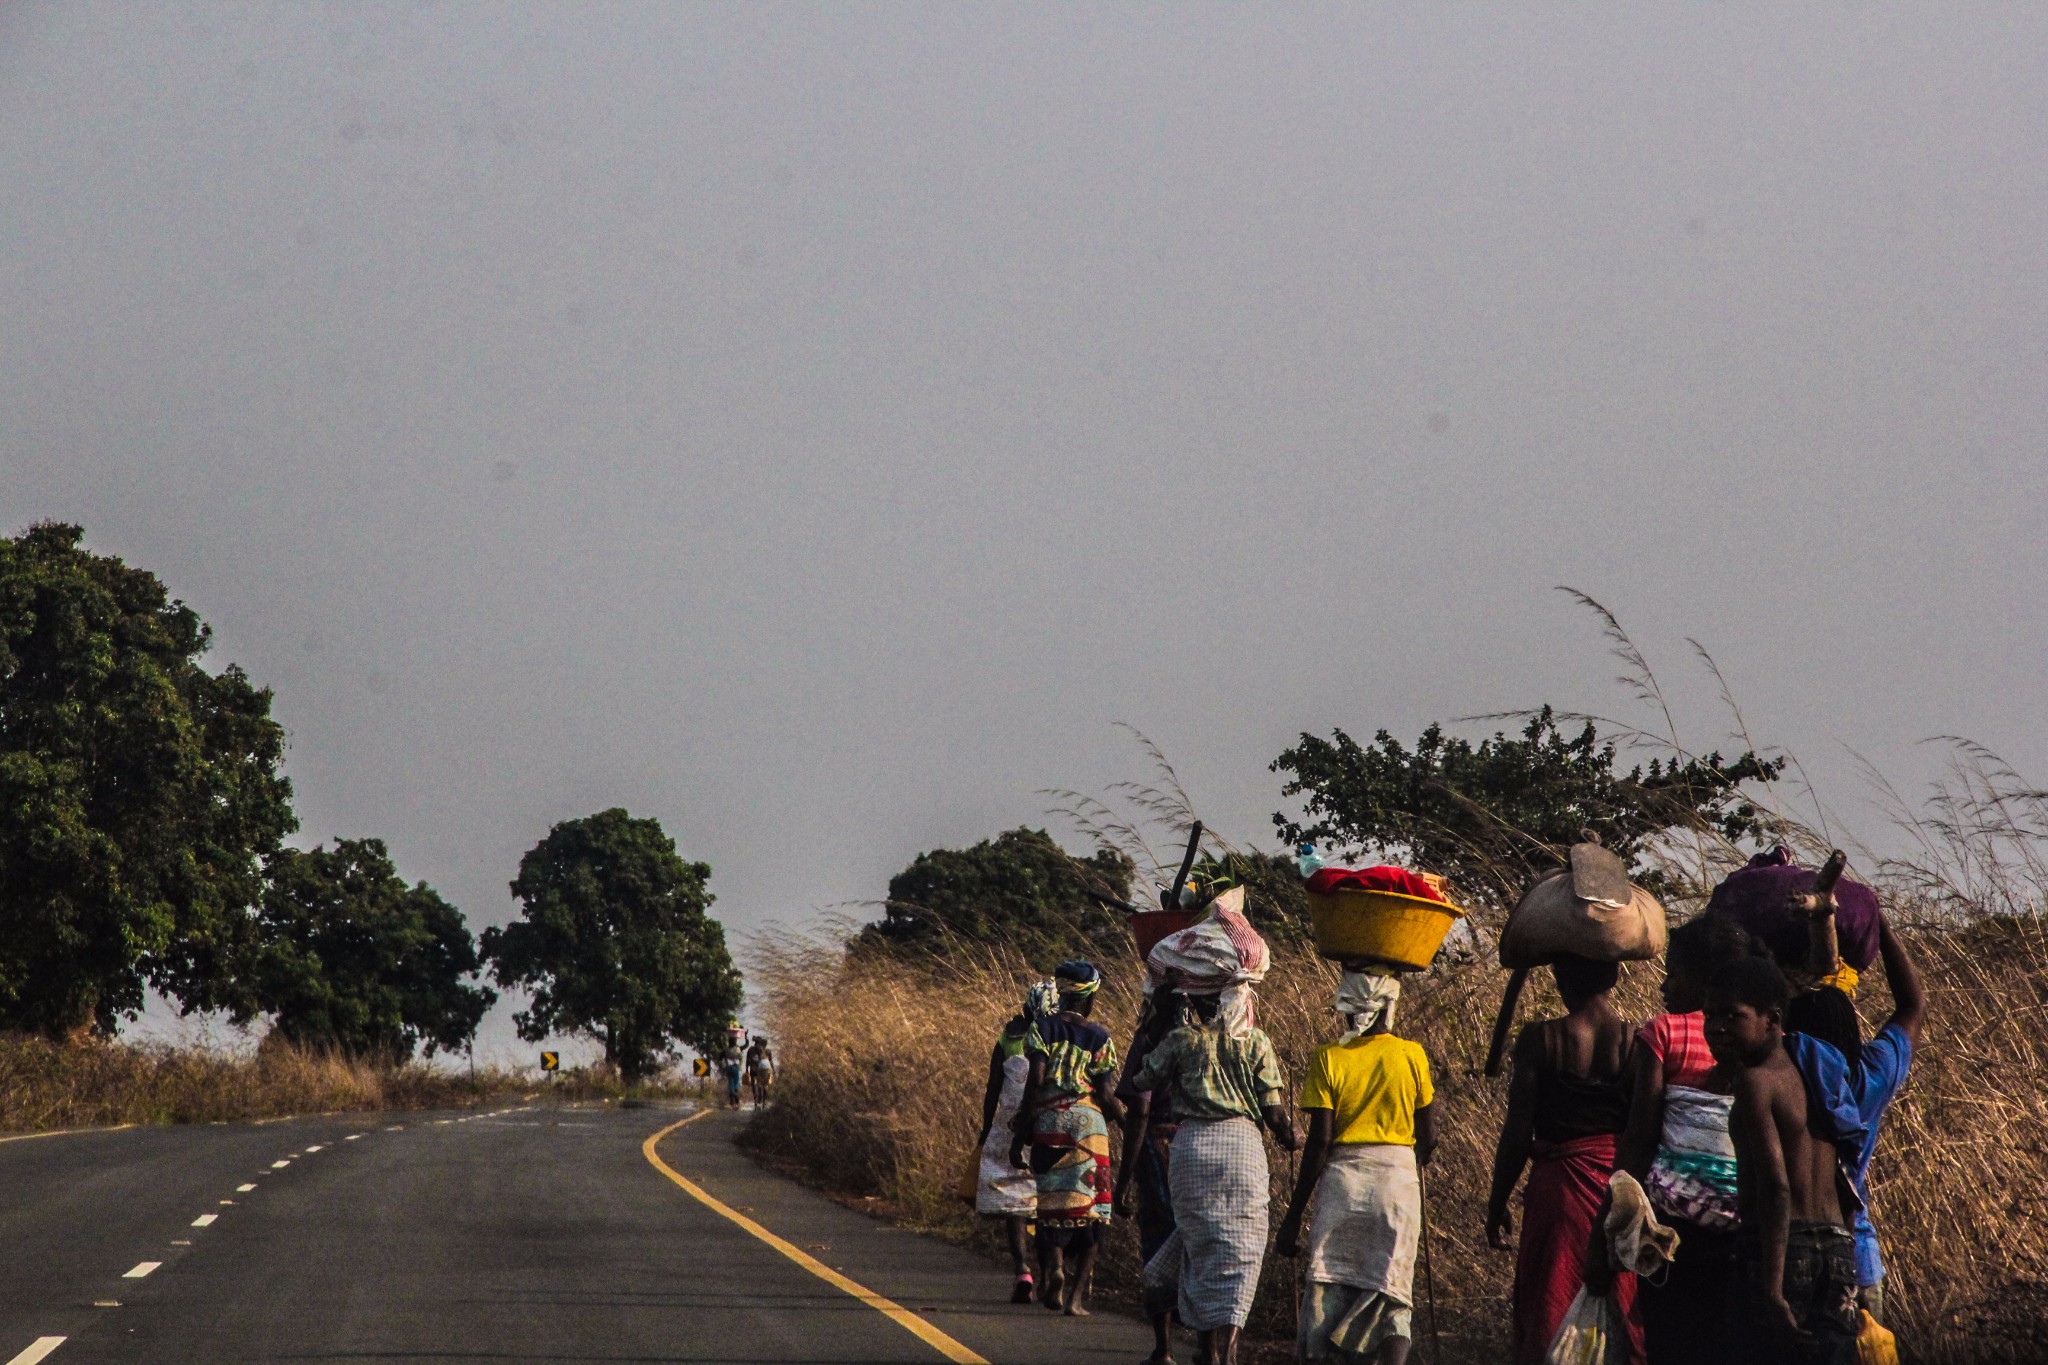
column 522, row 1234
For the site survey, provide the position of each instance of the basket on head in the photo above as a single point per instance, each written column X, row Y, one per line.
column 1150, row 926
column 1404, row 932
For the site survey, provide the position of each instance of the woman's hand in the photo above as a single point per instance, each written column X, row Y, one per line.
column 1017, row 1151
column 1289, row 1244
column 1500, row 1229
column 1125, row 1201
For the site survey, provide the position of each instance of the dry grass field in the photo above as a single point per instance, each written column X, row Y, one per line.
column 45, row 1085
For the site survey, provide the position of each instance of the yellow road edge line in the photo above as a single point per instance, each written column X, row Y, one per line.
column 888, row 1308
column 64, row 1132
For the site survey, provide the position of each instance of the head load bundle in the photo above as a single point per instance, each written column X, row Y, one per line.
column 1763, row 896
column 1587, row 910
column 1219, row 955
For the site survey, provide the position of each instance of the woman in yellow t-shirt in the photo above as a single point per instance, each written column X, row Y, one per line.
column 1372, row 1126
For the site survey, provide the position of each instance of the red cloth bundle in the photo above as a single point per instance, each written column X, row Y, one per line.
column 1396, row 879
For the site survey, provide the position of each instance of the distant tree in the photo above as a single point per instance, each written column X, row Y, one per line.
column 1495, row 815
column 139, row 794
column 352, row 958
column 614, row 942
column 1020, row 888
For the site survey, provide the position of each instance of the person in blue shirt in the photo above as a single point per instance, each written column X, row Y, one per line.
column 1877, row 1072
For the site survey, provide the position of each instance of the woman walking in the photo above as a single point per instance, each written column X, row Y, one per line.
column 1371, row 1127
column 1567, row 1105
column 1062, row 1119
column 1226, row 1082
column 1002, row 1189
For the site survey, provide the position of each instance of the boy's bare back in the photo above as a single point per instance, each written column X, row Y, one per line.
column 1774, row 1134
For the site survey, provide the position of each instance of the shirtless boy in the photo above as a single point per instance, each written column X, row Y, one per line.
column 1798, row 1252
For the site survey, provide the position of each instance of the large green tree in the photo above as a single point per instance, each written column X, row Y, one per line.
column 352, row 958
column 139, row 793
column 614, row 942
column 1019, row 888
column 1495, row 815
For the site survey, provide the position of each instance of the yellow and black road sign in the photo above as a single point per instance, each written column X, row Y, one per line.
column 550, row 1061
column 701, row 1067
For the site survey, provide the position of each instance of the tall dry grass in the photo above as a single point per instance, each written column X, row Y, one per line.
column 880, row 1097
column 45, row 1084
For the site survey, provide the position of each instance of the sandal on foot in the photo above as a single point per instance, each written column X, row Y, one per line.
column 1025, row 1289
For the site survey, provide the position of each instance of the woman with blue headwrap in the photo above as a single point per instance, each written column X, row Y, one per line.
column 1002, row 1188
column 1064, row 1122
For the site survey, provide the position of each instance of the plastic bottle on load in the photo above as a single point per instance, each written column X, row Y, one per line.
column 1308, row 860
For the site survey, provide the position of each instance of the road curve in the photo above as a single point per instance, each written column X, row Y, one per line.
column 517, row 1234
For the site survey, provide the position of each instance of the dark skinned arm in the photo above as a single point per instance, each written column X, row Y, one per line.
column 1021, row 1126
column 1909, row 997
column 1104, row 1090
column 1638, row 1148
column 1517, row 1136
column 1315, row 1156
column 1760, row 1158
column 993, row 1094
column 1137, row 1119
column 1425, row 1133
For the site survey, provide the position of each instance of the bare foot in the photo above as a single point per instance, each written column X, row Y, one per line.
column 1075, row 1310
column 1049, row 1289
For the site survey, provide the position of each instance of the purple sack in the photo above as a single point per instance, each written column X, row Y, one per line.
column 1755, row 896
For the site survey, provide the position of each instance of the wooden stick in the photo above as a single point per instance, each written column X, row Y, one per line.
column 1169, row 899
column 1505, row 1020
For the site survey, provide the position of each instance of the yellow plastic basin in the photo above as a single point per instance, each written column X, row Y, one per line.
column 1384, row 926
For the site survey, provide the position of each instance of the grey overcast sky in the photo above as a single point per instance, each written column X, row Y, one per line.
column 816, row 426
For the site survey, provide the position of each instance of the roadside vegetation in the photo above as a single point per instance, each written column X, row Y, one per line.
column 144, row 815
column 884, row 1054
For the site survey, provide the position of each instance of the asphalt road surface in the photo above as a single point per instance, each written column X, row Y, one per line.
column 518, row 1234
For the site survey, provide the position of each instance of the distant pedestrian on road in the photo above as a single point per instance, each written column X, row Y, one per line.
column 1062, row 1120
column 732, row 1064
column 1002, row 1189
column 760, row 1071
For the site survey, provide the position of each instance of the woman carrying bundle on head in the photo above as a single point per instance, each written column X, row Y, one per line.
column 1002, row 1188
column 1063, row 1121
column 1567, row 1105
column 1371, row 1127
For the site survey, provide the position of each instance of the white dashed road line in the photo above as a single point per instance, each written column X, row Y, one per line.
column 351, row 1137
column 38, row 1350
column 204, row 1220
column 314, row 1148
column 243, row 1189
column 142, row 1269
column 279, row 1165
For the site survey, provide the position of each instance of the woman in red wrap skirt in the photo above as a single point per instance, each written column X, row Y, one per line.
column 1567, row 1106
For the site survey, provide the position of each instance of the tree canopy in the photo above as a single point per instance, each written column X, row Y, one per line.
column 613, row 941
column 1495, row 815
column 352, row 958
column 1019, row 888
column 139, row 793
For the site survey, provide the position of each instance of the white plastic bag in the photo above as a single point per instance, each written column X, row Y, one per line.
column 1591, row 1333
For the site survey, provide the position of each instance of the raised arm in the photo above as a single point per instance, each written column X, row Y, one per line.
column 1909, row 997
column 1517, row 1136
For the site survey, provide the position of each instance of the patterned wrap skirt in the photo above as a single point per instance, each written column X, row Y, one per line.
column 1070, row 1160
column 1221, row 1191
